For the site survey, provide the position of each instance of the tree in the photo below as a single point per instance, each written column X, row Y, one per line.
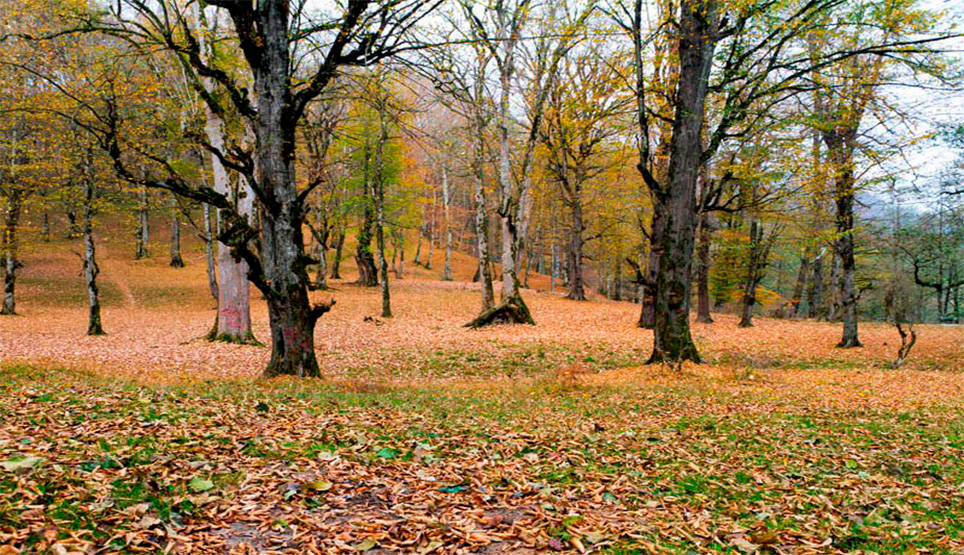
column 581, row 115
column 759, row 68
column 504, row 40
column 362, row 33
column 88, row 177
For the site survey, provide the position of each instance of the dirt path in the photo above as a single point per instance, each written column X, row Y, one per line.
column 116, row 273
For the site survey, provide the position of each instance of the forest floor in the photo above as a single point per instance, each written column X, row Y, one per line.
column 426, row 437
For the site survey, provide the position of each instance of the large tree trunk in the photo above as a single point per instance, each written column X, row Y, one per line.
column 364, row 258
column 233, row 321
column 482, row 216
column 177, row 261
column 577, row 290
column 676, row 200
column 94, row 326
column 290, row 312
column 9, row 250
column 845, row 252
column 703, row 270
column 511, row 307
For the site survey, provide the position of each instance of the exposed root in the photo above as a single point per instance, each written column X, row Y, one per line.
column 512, row 310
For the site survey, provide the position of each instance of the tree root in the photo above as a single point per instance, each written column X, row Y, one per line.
column 509, row 311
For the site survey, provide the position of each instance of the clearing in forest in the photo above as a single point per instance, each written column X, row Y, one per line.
column 429, row 437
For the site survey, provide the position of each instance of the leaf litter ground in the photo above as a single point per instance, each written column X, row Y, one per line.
column 429, row 438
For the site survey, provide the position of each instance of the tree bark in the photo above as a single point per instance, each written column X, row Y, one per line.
column 339, row 247
column 845, row 251
column 815, row 295
column 379, row 194
column 364, row 258
column 233, row 321
column 9, row 249
column 209, row 252
column 754, row 262
column 286, row 279
column 577, row 289
column 703, row 270
column 647, row 314
column 177, row 261
column 94, row 325
column 321, row 273
column 143, row 226
column 446, row 202
column 418, row 242
column 676, row 202
column 481, row 214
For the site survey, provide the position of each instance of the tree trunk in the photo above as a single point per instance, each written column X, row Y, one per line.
column 801, row 283
column 677, row 199
column 176, row 260
column 286, row 280
column 73, row 230
column 379, row 194
column 553, row 268
column 399, row 240
column 481, row 216
column 143, row 226
column 752, row 274
column 321, row 273
column 446, row 202
column 845, row 252
column 233, row 321
column 703, row 270
column 577, row 290
column 45, row 229
column 430, row 231
column 209, row 253
column 511, row 307
column 528, row 265
column 815, row 295
column 9, row 250
column 418, row 244
column 339, row 247
column 94, row 326
column 618, row 280
column 647, row 314
column 367, row 272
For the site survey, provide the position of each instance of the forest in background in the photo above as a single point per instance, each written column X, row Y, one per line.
column 594, row 276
